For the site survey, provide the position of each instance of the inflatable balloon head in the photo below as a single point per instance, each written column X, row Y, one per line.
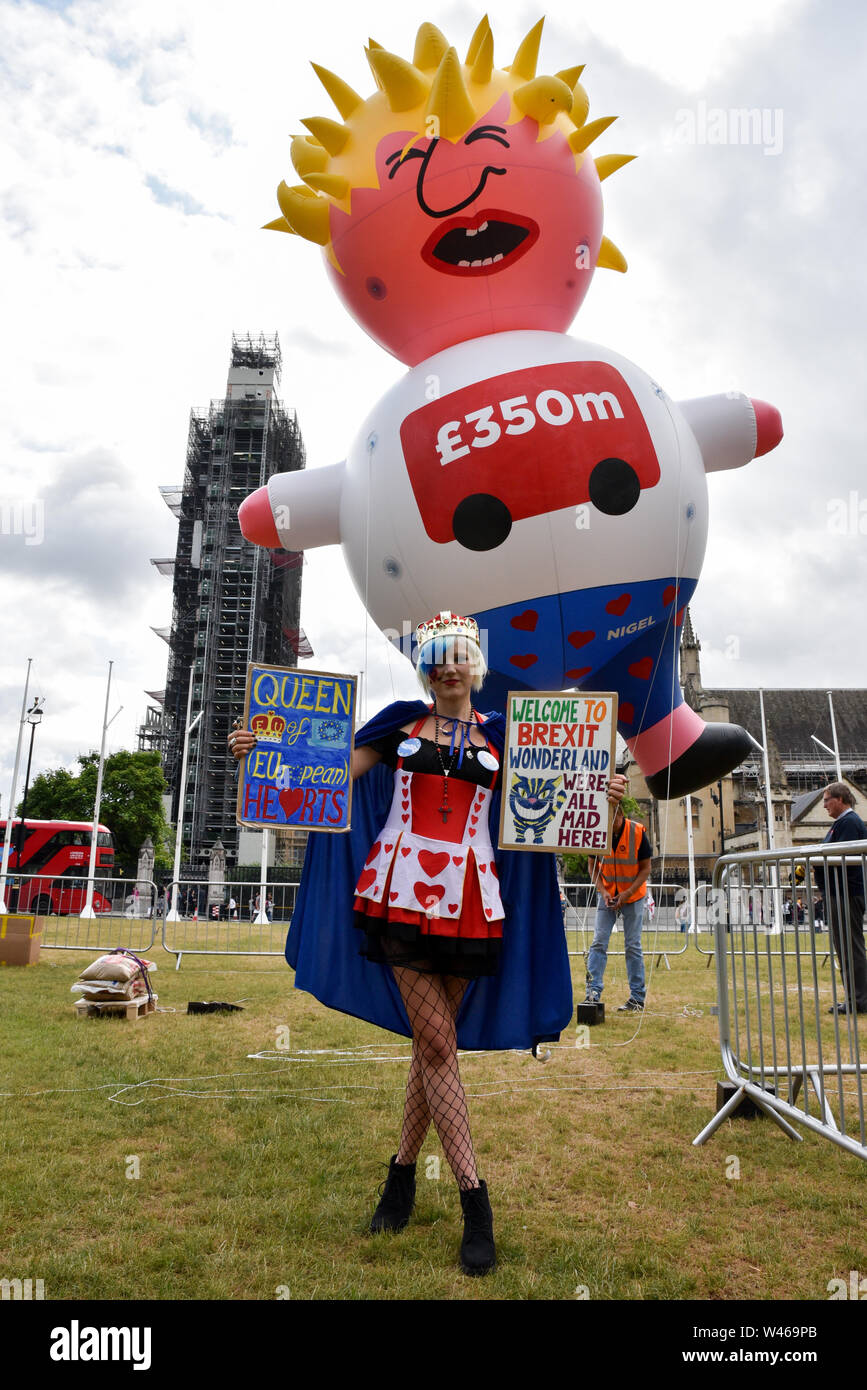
column 459, row 199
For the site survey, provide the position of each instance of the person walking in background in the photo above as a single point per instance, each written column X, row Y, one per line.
column 843, row 893
column 622, row 879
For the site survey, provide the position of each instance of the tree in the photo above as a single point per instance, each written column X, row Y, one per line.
column 575, row 865
column 133, row 786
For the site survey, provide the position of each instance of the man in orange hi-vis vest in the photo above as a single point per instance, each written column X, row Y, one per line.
column 621, row 878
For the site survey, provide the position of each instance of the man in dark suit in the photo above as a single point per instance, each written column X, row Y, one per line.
column 844, row 899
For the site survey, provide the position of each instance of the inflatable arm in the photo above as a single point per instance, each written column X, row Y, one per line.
column 298, row 511
column 732, row 429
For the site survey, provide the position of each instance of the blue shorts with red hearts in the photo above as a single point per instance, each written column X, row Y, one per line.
column 618, row 637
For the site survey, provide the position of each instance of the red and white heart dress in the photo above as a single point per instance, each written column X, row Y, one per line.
column 429, row 896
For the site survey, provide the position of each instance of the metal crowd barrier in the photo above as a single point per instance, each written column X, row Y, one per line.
column 662, row 936
column 125, row 911
column 765, row 903
column 226, row 919
column 785, row 1040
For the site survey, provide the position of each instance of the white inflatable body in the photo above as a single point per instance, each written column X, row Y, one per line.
column 551, row 489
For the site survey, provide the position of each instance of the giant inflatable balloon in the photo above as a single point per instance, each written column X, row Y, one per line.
column 547, row 486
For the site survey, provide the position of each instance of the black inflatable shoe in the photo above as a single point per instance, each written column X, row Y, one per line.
column 397, row 1199
column 478, row 1253
column 715, row 752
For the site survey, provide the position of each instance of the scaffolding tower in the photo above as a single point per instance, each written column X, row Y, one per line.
column 233, row 602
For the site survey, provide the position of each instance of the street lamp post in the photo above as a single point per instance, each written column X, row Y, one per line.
column 34, row 719
column 10, row 819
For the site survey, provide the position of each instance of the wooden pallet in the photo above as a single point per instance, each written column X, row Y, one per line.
column 130, row 1008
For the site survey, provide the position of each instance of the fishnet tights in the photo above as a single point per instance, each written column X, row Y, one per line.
column 433, row 1089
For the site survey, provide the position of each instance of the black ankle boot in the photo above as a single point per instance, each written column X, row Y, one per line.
column 478, row 1254
column 398, row 1198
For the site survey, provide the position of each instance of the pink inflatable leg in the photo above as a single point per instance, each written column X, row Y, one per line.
column 681, row 754
column 663, row 743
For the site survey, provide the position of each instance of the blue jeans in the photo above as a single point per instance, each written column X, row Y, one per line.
column 633, row 916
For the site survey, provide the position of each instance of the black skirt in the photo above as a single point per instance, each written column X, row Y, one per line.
column 403, row 944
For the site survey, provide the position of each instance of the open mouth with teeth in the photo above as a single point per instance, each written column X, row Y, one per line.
column 532, row 812
column 479, row 245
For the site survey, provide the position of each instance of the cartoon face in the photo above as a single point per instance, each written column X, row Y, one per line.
column 534, row 802
column 491, row 232
column 460, row 200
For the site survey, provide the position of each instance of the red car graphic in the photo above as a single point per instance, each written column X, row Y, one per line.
column 524, row 444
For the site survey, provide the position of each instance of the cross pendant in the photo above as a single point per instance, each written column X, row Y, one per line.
column 445, row 810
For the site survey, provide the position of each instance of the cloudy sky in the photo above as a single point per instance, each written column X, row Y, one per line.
column 142, row 144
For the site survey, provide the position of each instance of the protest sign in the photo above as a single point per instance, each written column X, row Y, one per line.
column 298, row 773
column 558, row 756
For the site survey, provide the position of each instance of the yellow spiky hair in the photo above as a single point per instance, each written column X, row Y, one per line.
column 435, row 95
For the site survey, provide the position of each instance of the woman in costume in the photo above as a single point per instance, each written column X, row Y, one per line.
column 428, row 897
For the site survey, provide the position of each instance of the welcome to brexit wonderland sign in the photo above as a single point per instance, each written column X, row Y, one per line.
column 298, row 773
column 560, row 749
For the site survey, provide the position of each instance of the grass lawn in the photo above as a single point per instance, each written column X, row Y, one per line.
column 256, row 1179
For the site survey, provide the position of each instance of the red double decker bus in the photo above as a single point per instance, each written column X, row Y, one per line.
column 57, row 852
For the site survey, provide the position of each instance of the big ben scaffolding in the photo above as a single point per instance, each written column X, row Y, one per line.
column 233, row 602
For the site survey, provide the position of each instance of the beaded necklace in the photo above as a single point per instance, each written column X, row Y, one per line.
column 454, row 753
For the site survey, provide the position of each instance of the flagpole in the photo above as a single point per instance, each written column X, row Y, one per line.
column 7, row 839
column 834, row 732
column 87, row 910
column 769, row 816
column 173, row 915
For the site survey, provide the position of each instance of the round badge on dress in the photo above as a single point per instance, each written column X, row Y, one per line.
column 488, row 760
column 408, row 747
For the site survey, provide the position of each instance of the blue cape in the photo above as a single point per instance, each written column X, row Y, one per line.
column 529, row 1000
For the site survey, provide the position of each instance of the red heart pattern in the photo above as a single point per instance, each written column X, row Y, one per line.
column 522, row 662
column 432, row 864
column 482, row 868
column 425, row 891
column 619, row 605
column 474, row 819
column 453, row 907
column 404, row 819
column 290, row 799
column 668, row 593
column 405, row 850
column 526, row 621
column 392, row 896
column 576, row 674
column 626, row 713
column 373, row 853
column 641, row 669
column 489, row 911
column 365, row 878
column 580, row 639
column 458, row 860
